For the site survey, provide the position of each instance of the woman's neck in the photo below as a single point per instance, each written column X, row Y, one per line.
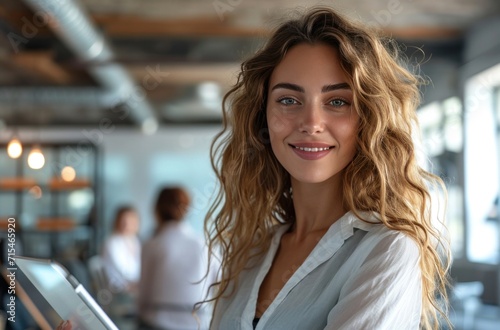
column 317, row 206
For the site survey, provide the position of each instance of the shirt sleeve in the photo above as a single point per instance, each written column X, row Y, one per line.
column 110, row 253
column 386, row 290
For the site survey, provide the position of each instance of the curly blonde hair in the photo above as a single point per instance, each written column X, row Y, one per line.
column 383, row 177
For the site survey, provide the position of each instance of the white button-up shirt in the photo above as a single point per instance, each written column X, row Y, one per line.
column 174, row 263
column 122, row 260
column 359, row 276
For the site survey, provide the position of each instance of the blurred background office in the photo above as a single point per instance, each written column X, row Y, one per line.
column 104, row 101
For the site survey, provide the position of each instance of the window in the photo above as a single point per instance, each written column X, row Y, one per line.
column 481, row 166
column 442, row 138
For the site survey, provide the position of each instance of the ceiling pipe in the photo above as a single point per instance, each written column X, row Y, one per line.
column 70, row 22
column 55, row 96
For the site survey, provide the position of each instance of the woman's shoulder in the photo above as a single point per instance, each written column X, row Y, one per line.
column 178, row 233
column 384, row 240
column 112, row 240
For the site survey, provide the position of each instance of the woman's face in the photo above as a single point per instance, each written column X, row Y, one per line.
column 129, row 223
column 312, row 125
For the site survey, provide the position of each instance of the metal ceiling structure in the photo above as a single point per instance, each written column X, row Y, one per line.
column 155, row 62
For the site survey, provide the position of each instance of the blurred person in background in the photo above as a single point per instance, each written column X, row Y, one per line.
column 122, row 252
column 174, row 265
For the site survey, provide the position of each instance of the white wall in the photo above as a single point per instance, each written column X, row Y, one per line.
column 136, row 166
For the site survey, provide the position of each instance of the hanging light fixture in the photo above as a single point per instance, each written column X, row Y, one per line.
column 36, row 159
column 68, row 174
column 14, row 148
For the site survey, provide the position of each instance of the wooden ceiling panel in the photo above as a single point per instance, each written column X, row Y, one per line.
column 134, row 26
column 42, row 65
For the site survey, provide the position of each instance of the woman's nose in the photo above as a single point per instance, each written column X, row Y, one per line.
column 312, row 120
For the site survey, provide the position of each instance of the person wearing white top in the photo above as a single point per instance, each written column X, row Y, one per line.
column 174, row 265
column 121, row 252
column 354, row 264
column 323, row 217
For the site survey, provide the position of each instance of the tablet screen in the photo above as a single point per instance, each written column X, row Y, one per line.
column 63, row 293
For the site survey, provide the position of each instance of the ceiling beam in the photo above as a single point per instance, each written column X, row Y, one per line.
column 25, row 23
column 127, row 25
column 423, row 32
column 134, row 26
column 184, row 74
column 41, row 64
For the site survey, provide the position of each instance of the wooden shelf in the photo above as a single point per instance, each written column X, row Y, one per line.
column 17, row 183
column 55, row 224
column 58, row 184
column 54, row 184
column 4, row 223
column 40, row 201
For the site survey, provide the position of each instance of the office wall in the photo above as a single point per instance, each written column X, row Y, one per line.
column 136, row 166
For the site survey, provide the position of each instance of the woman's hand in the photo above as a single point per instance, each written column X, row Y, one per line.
column 64, row 325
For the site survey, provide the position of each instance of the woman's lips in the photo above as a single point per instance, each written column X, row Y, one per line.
column 311, row 151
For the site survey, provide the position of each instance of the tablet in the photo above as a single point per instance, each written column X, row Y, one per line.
column 62, row 294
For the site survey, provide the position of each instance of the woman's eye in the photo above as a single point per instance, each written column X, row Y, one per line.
column 287, row 101
column 338, row 102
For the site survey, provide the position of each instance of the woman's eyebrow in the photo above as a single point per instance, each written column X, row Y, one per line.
column 291, row 86
column 297, row 88
column 329, row 88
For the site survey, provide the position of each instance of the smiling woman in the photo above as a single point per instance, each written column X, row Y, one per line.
column 323, row 217
column 309, row 114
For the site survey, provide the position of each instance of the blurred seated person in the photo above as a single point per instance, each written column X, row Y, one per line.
column 122, row 252
column 174, row 262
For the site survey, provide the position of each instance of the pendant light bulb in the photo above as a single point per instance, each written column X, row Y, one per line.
column 68, row 174
column 14, row 148
column 36, row 159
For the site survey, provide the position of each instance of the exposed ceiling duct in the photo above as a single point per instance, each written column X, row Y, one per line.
column 54, row 96
column 69, row 21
